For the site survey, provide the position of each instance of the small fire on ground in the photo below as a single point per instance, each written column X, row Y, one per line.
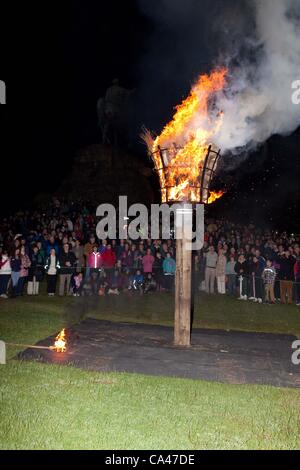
column 60, row 344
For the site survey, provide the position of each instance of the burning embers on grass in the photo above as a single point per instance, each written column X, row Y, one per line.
column 60, row 344
column 179, row 152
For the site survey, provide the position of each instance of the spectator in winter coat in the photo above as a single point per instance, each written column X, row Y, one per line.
column 108, row 258
column 158, row 270
column 51, row 267
column 255, row 281
column 35, row 271
column 94, row 260
column 231, row 276
column 150, row 283
column 211, row 258
column 136, row 282
column 89, row 246
column 169, row 265
column 127, row 257
column 41, row 250
column 261, row 260
column 241, row 269
column 5, row 274
column 138, row 256
column 120, row 248
column 134, row 260
column 147, row 261
column 169, row 268
column 78, row 252
column 77, row 284
column 220, row 271
column 131, row 258
column 94, row 263
column 87, row 250
column 67, row 262
column 286, row 276
column 25, row 265
column 117, row 279
column 269, row 276
column 15, row 263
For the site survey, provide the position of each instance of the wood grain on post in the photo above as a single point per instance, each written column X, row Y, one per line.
column 182, row 328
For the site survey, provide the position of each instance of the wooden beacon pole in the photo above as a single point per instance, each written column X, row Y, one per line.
column 182, row 329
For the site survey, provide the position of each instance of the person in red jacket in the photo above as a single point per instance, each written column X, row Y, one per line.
column 109, row 260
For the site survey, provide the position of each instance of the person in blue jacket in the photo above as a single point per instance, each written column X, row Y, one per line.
column 169, row 268
column 52, row 244
column 136, row 282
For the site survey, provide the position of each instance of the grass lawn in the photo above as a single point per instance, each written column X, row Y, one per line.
column 54, row 407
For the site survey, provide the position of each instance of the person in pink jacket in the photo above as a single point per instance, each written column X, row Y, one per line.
column 147, row 261
column 94, row 260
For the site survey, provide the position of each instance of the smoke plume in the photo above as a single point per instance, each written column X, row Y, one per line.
column 258, row 100
column 259, row 43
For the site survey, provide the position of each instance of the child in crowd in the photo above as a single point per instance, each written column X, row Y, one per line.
column 77, row 284
column 150, row 283
column 87, row 288
column 136, row 282
column 169, row 269
column 269, row 276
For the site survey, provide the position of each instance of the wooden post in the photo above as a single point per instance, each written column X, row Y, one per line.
column 182, row 328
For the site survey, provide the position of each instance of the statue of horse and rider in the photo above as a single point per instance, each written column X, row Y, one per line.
column 114, row 112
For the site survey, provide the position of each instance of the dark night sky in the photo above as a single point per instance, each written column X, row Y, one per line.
column 57, row 58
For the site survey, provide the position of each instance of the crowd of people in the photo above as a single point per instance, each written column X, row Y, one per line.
column 59, row 246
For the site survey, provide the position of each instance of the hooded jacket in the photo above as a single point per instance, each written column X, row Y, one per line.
column 94, row 260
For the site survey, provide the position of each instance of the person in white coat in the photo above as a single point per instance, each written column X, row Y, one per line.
column 220, row 271
column 5, row 274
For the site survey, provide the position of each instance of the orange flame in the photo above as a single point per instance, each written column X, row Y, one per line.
column 60, row 342
column 187, row 137
column 214, row 195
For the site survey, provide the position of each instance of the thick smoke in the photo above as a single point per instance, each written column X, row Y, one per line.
column 258, row 100
column 258, row 41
